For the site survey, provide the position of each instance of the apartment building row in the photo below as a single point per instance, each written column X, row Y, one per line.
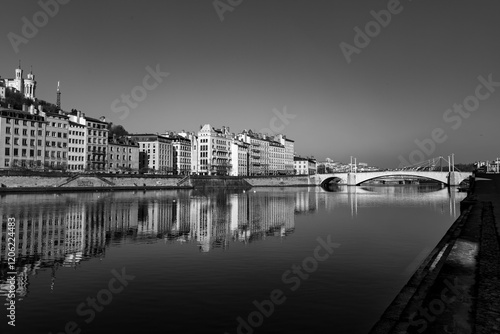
column 213, row 151
column 36, row 139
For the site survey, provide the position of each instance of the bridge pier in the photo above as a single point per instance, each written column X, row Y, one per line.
column 351, row 179
column 454, row 179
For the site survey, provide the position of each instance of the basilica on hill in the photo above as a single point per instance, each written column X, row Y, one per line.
column 25, row 86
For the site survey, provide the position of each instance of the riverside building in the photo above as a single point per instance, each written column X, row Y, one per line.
column 77, row 142
column 155, row 153
column 214, row 150
column 22, row 139
column 123, row 155
column 181, row 153
column 56, row 140
column 97, row 137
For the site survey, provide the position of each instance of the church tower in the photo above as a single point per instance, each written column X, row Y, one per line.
column 30, row 86
column 18, row 80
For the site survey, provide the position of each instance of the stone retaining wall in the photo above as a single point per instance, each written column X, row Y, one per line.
column 97, row 181
column 281, row 181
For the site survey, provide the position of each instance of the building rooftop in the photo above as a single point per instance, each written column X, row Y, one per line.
column 14, row 113
column 95, row 120
column 76, row 124
column 122, row 141
column 55, row 114
column 150, row 135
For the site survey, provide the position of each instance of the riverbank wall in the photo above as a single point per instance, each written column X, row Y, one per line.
column 103, row 182
column 456, row 288
column 282, row 181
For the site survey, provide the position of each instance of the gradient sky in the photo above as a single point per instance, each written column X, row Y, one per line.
column 269, row 55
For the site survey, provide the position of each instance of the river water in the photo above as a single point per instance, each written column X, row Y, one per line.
column 267, row 260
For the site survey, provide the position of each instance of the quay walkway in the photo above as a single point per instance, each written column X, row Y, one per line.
column 456, row 289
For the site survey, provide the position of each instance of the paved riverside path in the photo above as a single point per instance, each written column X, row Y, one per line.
column 488, row 190
column 457, row 287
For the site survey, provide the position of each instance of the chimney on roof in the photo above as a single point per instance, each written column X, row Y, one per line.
column 25, row 107
column 9, row 106
column 32, row 109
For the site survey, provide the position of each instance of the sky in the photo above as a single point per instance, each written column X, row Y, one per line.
column 325, row 73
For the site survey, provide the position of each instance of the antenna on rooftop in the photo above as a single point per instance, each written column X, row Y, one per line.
column 58, row 96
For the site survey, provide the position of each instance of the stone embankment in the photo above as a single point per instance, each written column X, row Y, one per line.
column 456, row 289
column 103, row 182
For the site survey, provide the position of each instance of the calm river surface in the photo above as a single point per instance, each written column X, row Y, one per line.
column 268, row 260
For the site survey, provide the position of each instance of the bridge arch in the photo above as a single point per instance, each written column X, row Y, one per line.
column 332, row 180
column 436, row 176
column 437, row 179
column 449, row 178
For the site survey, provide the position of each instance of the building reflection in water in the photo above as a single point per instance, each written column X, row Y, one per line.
column 62, row 230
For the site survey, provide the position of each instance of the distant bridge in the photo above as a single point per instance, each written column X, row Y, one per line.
column 354, row 179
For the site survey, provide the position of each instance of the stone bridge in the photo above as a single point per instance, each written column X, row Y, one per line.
column 353, row 179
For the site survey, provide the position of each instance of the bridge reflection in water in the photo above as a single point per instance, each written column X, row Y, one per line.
column 433, row 195
column 62, row 230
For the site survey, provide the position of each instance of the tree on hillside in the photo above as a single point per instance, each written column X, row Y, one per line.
column 16, row 99
column 117, row 130
column 47, row 106
column 465, row 167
